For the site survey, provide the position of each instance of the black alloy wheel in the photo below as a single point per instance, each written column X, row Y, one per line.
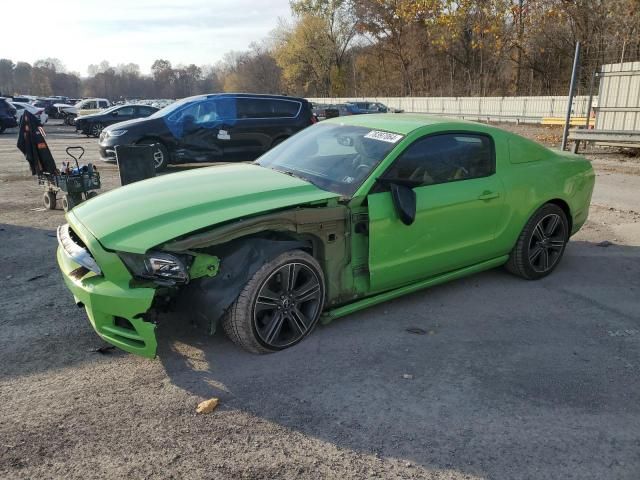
column 287, row 305
column 279, row 305
column 541, row 243
column 547, row 243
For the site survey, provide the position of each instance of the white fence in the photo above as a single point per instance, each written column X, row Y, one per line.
column 619, row 99
column 509, row 109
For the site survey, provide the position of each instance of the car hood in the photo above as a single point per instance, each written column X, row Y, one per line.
column 145, row 214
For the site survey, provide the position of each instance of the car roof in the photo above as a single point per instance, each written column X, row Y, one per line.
column 402, row 123
column 245, row 95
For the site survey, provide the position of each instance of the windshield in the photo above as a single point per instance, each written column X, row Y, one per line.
column 110, row 109
column 334, row 157
column 172, row 107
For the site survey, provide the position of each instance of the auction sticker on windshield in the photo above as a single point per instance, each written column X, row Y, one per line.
column 383, row 136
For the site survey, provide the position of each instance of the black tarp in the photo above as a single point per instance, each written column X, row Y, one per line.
column 32, row 143
column 135, row 163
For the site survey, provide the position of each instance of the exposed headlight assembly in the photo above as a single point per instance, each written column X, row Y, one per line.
column 76, row 252
column 116, row 133
column 164, row 268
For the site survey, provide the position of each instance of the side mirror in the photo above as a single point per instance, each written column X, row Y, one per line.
column 404, row 201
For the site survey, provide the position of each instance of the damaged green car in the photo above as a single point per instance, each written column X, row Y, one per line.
column 346, row 214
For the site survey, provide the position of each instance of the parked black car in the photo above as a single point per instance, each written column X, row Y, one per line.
column 92, row 125
column 215, row 127
column 7, row 115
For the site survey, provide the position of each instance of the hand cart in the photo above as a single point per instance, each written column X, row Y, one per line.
column 78, row 184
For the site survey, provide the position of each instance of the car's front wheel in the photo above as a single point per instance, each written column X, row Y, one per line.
column 96, row 129
column 279, row 306
column 541, row 244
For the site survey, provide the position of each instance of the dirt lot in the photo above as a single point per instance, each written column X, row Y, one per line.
column 514, row 380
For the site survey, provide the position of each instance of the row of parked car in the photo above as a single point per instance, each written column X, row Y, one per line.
column 324, row 111
column 204, row 128
column 211, row 127
column 11, row 111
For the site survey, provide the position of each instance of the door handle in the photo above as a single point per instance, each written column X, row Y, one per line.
column 488, row 195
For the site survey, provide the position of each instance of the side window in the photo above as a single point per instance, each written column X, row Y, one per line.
column 224, row 109
column 102, row 104
column 145, row 111
column 286, row 108
column 89, row 106
column 266, row 108
column 445, row 158
column 125, row 111
column 252, row 108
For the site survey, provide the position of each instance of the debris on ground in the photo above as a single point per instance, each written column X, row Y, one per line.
column 103, row 350
column 623, row 333
column 207, row 406
column 407, row 376
column 416, row 331
column 36, row 277
column 604, row 243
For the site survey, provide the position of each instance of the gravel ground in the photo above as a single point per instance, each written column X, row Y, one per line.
column 513, row 379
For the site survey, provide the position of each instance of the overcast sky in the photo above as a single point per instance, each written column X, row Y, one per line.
column 81, row 32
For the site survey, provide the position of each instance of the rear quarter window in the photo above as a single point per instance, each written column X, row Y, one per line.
column 267, row 108
column 286, row 108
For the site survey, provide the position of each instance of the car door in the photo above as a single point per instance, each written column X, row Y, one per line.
column 199, row 131
column 459, row 199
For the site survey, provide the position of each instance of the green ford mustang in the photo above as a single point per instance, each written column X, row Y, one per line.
column 344, row 215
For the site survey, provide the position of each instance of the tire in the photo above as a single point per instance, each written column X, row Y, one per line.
column 541, row 244
column 49, row 200
column 96, row 130
column 269, row 316
column 68, row 203
column 160, row 154
column 90, row 195
column 2, row 129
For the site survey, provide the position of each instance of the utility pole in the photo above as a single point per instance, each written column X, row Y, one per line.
column 572, row 87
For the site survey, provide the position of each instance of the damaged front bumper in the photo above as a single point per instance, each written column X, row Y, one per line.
column 116, row 311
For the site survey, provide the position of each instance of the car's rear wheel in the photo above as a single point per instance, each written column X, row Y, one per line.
column 541, row 244
column 160, row 154
column 279, row 306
